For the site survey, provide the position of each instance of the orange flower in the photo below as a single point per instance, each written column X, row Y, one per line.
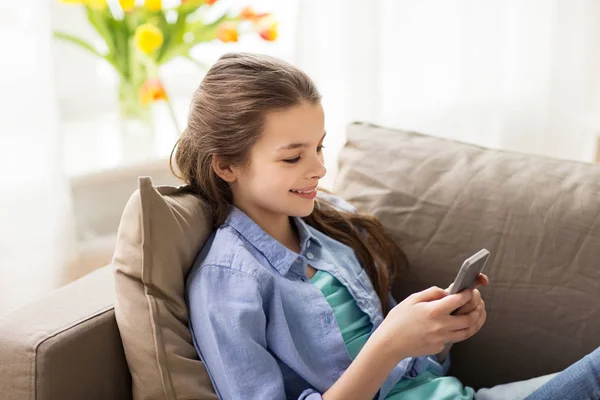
column 267, row 28
column 152, row 90
column 211, row 2
column 248, row 13
column 227, row 32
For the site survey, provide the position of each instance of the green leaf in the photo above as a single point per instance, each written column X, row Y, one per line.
column 167, row 30
column 173, row 37
column 189, row 7
column 201, row 33
column 84, row 45
column 119, row 34
column 97, row 20
column 79, row 42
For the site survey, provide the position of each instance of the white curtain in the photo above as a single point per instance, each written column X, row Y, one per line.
column 521, row 75
column 36, row 224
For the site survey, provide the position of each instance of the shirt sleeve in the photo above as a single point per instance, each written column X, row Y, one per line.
column 430, row 363
column 228, row 326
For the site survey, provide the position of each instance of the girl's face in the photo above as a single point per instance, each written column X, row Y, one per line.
column 286, row 159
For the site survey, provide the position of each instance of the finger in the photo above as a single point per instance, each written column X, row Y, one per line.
column 458, row 322
column 467, row 308
column 472, row 304
column 431, row 294
column 453, row 301
column 449, row 288
column 482, row 319
column 471, row 330
column 459, row 335
column 482, row 280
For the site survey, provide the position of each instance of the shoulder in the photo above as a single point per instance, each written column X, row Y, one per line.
column 225, row 255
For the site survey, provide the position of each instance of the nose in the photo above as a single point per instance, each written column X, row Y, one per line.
column 318, row 169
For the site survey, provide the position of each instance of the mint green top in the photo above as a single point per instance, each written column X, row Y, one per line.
column 356, row 328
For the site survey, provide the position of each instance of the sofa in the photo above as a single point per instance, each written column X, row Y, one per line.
column 442, row 201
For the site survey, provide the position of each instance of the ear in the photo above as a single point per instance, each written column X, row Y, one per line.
column 226, row 172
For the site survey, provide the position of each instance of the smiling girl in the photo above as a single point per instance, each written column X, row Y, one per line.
column 289, row 297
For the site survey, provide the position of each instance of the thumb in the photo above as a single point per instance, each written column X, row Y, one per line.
column 431, row 294
column 454, row 301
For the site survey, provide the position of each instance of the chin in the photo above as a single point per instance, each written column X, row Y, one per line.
column 302, row 211
column 305, row 214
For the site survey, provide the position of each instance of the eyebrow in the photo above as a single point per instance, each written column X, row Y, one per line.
column 298, row 145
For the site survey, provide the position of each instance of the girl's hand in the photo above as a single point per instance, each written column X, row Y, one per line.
column 475, row 305
column 422, row 325
column 476, row 300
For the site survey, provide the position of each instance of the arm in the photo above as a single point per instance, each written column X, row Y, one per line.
column 367, row 373
column 228, row 327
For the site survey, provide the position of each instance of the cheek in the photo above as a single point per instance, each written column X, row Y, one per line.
column 271, row 178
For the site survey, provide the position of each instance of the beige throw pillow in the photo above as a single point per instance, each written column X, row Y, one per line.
column 161, row 232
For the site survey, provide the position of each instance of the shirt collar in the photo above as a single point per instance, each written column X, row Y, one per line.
column 279, row 256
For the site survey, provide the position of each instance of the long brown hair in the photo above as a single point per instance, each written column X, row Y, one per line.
column 226, row 119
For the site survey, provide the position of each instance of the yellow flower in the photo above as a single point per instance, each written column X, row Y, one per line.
column 152, row 90
column 227, row 32
column 267, row 28
column 127, row 5
column 148, row 38
column 153, row 5
column 96, row 4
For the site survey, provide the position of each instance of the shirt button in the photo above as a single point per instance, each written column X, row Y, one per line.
column 310, row 256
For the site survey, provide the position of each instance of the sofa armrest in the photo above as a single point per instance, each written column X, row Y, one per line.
column 65, row 345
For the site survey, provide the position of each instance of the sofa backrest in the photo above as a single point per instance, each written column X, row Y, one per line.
column 444, row 200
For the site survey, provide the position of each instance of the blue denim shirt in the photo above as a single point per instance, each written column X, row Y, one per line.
column 259, row 325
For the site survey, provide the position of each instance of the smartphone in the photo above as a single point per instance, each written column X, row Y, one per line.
column 467, row 274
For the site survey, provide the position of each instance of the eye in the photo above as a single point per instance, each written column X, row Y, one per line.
column 295, row 160
column 292, row 160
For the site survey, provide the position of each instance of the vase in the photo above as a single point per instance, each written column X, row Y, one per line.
column 137, row 131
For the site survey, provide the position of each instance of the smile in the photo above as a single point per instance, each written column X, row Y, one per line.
column 306, row 193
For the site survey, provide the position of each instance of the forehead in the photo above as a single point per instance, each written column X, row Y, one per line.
column 301, row 123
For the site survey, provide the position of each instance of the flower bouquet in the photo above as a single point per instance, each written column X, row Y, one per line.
column 140, row 36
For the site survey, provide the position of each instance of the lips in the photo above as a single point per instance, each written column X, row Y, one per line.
column 304, row 190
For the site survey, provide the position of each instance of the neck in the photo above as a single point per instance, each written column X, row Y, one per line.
column 279, row 226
